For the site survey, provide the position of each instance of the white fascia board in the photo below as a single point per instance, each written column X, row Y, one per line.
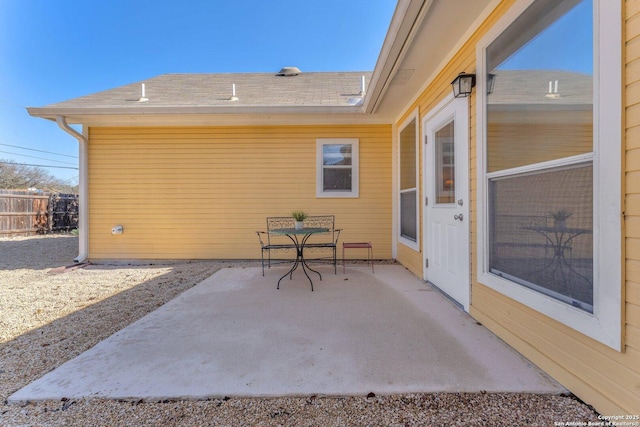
column 227, row 119
column 212, row 116
column 52, row 112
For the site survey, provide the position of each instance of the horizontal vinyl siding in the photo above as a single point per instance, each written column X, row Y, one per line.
column 632, row 194
column 602, row 377
column 541, row 143
column 201, row 193
column 607, row 379
column 411, row 259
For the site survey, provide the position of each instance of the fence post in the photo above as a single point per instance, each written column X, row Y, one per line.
column 50, row 212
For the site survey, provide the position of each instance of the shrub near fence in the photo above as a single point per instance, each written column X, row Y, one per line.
column 24, row 213
column 63, row 211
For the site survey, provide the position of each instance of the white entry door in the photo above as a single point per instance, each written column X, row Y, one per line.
column 446, row 213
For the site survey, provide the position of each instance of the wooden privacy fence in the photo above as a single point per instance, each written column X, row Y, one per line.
column 23, row 212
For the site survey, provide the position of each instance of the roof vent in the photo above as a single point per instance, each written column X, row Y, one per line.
column 143, row 95
column 289, row 71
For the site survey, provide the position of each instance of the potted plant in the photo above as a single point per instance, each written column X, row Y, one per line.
column 560, row 218
column 299, row 217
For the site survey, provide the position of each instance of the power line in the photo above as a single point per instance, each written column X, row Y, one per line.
column 38, row 166
column 40, row 151
column 75, row 179
column 39, row 158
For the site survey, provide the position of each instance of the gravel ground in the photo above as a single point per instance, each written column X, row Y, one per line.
column 47, row 319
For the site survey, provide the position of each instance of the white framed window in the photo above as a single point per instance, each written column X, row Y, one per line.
column 337, row 167
column 549, row 135
column 408, row 149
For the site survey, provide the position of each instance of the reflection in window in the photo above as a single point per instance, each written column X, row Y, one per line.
column 541, row 232
column 540, row 111
column 336, row 163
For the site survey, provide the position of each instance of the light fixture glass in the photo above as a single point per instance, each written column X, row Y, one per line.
column 463, row 84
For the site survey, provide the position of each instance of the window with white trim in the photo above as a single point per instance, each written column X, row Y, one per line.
column 337, row 163
column 408, row 181
column 549, row 133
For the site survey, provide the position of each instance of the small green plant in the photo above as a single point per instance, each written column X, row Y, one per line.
column 299, row 215
column 561, row 214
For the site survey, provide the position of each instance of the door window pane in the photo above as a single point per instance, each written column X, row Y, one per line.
column 445, row 165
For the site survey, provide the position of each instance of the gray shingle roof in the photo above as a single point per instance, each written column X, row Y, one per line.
column 531, row 87
column 323, row 89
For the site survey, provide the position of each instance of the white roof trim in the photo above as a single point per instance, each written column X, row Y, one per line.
column 403, row 24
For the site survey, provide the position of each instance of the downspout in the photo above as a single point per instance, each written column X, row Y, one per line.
column 83, row 211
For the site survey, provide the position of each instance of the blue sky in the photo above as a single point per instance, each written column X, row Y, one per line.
column 564, row 45
column 54, row 50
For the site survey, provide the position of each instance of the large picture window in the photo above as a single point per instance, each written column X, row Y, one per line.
column 543, row 168
column 337, row 168
column 408, row 147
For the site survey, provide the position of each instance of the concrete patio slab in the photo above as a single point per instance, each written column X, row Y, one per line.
column 234, row 334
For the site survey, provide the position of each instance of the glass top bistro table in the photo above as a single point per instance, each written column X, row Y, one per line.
column 299, row 238
column 560, row 239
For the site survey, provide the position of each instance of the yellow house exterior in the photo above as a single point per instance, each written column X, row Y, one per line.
column 202, row 192
column 604, row 377
column 191, row 182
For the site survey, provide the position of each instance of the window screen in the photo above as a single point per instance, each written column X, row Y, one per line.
column 541, row 232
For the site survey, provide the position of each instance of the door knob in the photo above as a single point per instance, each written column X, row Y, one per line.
column 458, row 217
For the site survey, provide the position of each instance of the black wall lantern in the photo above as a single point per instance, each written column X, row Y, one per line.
column 463, row 84
column 491, row 83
